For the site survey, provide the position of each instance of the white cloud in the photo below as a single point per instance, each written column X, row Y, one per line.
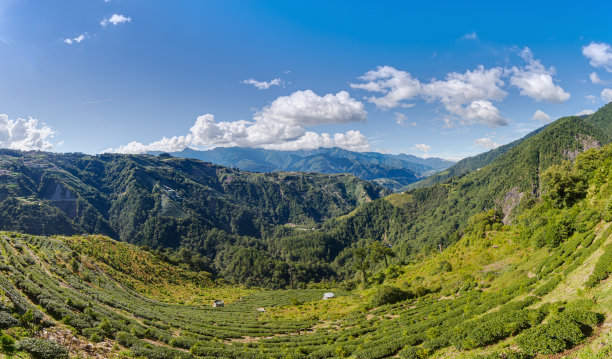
column 606, row 95
column 486, row 142
column 116, row 19
column 24, row 135
column 595, row 78
column 422, row 147
column 483, row 112
column 541, row 116
column 467, row 95
column 536, row 81
column 585, row 112
column 75, row 40
column 470, row 36
column 281, row 125
column 599, row 54
column 262, row 85
column 306, row 108
column 397, row 86
column 459, row 89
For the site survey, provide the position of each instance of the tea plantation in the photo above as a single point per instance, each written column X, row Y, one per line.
column 537, row 287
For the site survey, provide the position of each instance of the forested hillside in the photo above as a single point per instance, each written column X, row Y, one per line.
column 168, row 202
column 600, row 119
column 538, row 287
column 429, row 218
column 469, row 164
column 277, row 229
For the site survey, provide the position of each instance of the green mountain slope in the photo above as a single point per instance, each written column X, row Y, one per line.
column 128, row 197
column 427, row 218
column 222, row 216
column 600, row 119
column 536, row 287
column 469, row 164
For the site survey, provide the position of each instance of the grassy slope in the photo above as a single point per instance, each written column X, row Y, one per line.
column 491, row 267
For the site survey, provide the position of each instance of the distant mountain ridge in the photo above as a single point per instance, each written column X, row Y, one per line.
column 391, row 171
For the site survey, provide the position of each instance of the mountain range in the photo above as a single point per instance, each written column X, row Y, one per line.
column 391, row 171
column 504, row 255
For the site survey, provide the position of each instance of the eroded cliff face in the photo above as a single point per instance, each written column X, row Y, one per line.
column 509, row 202
column 587, row 142
column 63, row 199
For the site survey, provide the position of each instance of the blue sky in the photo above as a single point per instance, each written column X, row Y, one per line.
column 441, row 78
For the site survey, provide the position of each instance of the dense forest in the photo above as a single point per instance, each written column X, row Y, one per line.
column 278, row 229
column 535, row 287
column 166, row 202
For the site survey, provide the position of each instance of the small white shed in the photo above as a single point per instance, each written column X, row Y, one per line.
column 328, row 295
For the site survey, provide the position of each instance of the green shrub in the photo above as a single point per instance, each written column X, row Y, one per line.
column 42, row 348
column 7, row 343
column 388, row 295
column 602, row 269
column 7, row 320
column 563, row 332
column 445, row 266
column 548, row 286
column 182, row 342
column 493, row 327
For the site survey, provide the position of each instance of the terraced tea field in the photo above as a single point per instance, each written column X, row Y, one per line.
column 65, row 288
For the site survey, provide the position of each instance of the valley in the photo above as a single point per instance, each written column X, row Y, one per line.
column 512, row 260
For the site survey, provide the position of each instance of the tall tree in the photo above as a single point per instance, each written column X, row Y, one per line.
column 380, row 251
column 362, row 263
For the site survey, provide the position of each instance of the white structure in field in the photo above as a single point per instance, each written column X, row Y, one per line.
column 328, row 295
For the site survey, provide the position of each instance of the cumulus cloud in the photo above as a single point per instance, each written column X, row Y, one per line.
column 585, row 112
column 115, row 20
column 595, row 78
column 309, row 109
column 24, row 135
column 75, row 40
column 536, row 81
column 483, row 112
column 541, row 116
column 606, row 95
column 397, row 86
column 281, row 125
column 262, row 85
column 467, row 95
column 486, row 142
column 422, row 147
column 599, row 55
